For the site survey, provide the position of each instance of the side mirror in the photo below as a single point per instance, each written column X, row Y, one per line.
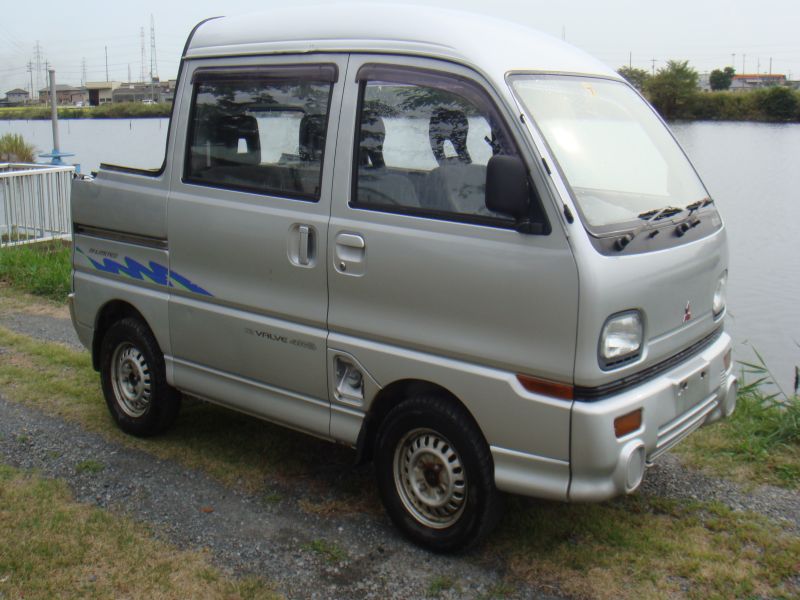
column 507, row 186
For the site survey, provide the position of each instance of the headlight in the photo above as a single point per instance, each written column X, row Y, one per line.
column 719, row 294
column 621, row 339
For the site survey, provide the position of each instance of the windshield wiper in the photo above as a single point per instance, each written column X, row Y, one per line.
column 690, row 223
column 650, row 217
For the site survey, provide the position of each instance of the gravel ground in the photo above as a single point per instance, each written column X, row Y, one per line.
column 669, row 478
column 42, row 327
column 247, row 534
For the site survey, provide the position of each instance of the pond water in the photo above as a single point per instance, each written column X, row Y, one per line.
column 752, row 171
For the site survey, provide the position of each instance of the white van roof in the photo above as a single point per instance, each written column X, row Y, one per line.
column 493, row 46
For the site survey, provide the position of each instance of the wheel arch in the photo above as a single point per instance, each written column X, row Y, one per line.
column 389, row 397
column 112, row 312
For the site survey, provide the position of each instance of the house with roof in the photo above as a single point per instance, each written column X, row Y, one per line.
column 65, row 94
column 17, row 96
column 754, row 81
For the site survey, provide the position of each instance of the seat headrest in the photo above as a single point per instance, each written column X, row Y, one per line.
column 312, row 137
column 447, row 124
column 232, row 128
column 373, row 132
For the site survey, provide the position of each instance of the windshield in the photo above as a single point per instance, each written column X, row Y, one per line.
column 617, row 156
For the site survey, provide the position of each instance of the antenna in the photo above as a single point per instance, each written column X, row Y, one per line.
column 153, row 60
column 144, row 56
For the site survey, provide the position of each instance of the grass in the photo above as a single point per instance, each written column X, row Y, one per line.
column 328, row 550
column 13, row 148
column 89, row 466
column 42, row 269
column 51, row 546
column 638, row 546
column 115, row 110
column 235, row 449
column 760, row 443
column 439, row 585
column 647, row 547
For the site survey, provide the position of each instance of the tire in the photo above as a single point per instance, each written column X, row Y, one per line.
column 435, row 474
column 134, row 381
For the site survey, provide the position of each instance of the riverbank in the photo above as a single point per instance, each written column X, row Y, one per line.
column 117, row 110
column 768, row 105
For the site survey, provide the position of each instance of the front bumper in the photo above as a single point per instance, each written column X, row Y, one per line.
column 674, row 404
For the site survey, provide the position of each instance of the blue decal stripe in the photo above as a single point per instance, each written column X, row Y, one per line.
column 158, row 274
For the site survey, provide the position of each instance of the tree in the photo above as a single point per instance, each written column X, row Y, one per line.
column 672, row 88
column 721, row 80
column 636, row 77
column 779, row 103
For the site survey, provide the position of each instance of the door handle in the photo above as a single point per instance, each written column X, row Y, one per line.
column 351, row 240
column 302, row 257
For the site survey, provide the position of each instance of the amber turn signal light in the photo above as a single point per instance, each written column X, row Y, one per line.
column 546, row 387
column 627, row 423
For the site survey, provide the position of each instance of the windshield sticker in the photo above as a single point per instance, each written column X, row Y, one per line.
column 158, row 274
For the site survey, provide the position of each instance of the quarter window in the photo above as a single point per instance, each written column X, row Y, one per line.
column 423, row 142
column 260, row 131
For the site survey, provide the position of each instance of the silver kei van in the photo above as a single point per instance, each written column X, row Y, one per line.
column 467, row 250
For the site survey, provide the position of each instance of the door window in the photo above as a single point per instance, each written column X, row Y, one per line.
column 261, row 131
column 423, row 142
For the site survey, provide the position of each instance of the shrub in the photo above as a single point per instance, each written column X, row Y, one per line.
column 13, row 148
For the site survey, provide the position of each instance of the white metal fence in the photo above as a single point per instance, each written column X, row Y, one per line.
column 34, row 202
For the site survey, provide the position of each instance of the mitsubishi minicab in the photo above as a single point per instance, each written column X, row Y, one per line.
column 466, row 249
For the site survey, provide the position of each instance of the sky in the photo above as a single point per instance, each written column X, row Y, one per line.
column 706, row 33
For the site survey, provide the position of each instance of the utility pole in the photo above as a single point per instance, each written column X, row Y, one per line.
column 758, row 65
column 30, row 71
column 653, row 60
column 129, row 72
column 83, row 71
column 630, row 60
column 770, row 65
column 153, row 57
column 37, row 58
column 107, row 79
column 144, row 56
column 744, row 69
column 733, row 60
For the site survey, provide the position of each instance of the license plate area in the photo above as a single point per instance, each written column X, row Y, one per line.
column 690, row 388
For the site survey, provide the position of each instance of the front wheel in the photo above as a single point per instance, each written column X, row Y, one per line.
column 134, row 380
column 435, row 474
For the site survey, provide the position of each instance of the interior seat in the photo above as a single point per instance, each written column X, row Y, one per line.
column 376, row 183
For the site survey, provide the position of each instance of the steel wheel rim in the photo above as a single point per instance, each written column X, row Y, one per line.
column 130, row 378
column 430, row 478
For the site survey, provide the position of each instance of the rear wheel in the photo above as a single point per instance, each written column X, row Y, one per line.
column 134, row 380
column 435, row 474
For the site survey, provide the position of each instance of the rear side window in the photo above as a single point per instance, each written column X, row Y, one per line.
column 423, row 142
column 261, row 131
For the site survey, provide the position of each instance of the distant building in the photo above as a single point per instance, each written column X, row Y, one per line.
column 101, row 92
column 755, row 81
column 65, row 94
column 17, row 96
column 144, row 92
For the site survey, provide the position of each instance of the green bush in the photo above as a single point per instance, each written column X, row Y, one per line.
column 13, row 148
column 43, row 269
column 115, row 110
